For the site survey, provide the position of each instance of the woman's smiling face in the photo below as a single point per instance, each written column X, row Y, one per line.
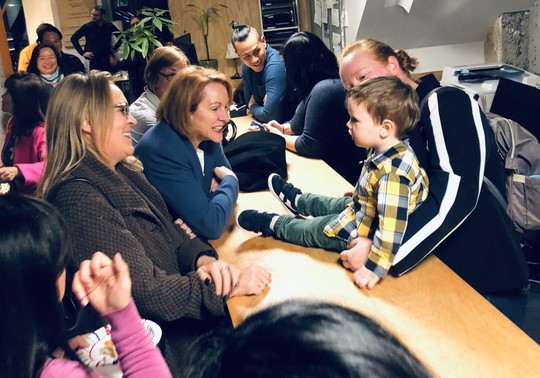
column 211, row 115
column 117, row 145
column 46, row 61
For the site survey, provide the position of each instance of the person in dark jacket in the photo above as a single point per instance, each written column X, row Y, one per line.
column 92, row 177
column 460, row 221
column 98, row 34
column 50, row 34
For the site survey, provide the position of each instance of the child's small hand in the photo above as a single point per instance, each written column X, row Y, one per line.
column 365, row 278
column 103, row 282
column 356, row 255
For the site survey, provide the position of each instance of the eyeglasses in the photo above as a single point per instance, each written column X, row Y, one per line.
column 124, row 108
column 168, row 76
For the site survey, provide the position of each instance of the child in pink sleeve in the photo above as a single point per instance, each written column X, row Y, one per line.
column 33, row 255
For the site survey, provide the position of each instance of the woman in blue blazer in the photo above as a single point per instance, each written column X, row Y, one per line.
column 183, row 157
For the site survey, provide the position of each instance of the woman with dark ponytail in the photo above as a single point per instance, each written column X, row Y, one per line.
column 318, row 128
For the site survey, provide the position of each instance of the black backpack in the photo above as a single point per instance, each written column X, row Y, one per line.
column 254, row 156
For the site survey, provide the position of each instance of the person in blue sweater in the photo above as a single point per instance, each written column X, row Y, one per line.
column 318, row 128
column 263, row 71
column 182, row 155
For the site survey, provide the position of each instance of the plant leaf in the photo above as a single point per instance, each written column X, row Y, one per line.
column 143, row 22
column 144, row 48
column 157, row 23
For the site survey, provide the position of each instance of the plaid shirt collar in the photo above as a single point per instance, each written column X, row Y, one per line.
column 378, row 160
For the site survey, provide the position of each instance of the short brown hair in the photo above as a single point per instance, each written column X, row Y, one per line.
column 387, row 97
column 185, row 94
column 161, row 58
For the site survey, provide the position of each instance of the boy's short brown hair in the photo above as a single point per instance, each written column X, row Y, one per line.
column 387, row 97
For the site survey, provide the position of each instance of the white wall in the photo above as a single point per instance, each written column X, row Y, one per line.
column 37, row 12
column 435, row 58
column 438, row 32
column 355, row 10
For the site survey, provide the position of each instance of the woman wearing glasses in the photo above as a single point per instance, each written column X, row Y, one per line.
column 92, row 177
column 162, row 66
column 183, row 157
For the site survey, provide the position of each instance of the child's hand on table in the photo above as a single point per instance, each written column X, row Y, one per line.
column 365, row 278
column 356, row 255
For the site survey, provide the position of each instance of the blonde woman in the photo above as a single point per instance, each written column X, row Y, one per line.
column 98, row 186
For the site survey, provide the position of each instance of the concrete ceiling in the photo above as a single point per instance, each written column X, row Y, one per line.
column 434, row 22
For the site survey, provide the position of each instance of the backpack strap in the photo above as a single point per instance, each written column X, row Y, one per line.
column 509, row 161
column 490, row 185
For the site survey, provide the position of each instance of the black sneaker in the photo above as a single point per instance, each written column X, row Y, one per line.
column 286, row 193
column 256, row 221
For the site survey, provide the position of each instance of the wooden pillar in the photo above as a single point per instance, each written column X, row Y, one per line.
column 7, row 66
column 304, row 11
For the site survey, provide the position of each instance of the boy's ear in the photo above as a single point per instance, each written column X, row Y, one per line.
column 387, row 128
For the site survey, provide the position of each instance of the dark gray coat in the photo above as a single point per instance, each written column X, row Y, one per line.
column 124, row 223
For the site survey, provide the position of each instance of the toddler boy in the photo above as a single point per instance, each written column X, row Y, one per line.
column 391, row 186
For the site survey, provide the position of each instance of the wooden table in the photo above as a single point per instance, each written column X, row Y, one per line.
column 446, row 323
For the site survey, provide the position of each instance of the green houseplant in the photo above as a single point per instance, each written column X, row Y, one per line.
column 141, row 37
column 202, row 19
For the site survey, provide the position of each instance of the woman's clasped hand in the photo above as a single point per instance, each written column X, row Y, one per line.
column 231, row 281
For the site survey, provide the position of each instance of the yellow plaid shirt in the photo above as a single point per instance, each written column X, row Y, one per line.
column 390, row 187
